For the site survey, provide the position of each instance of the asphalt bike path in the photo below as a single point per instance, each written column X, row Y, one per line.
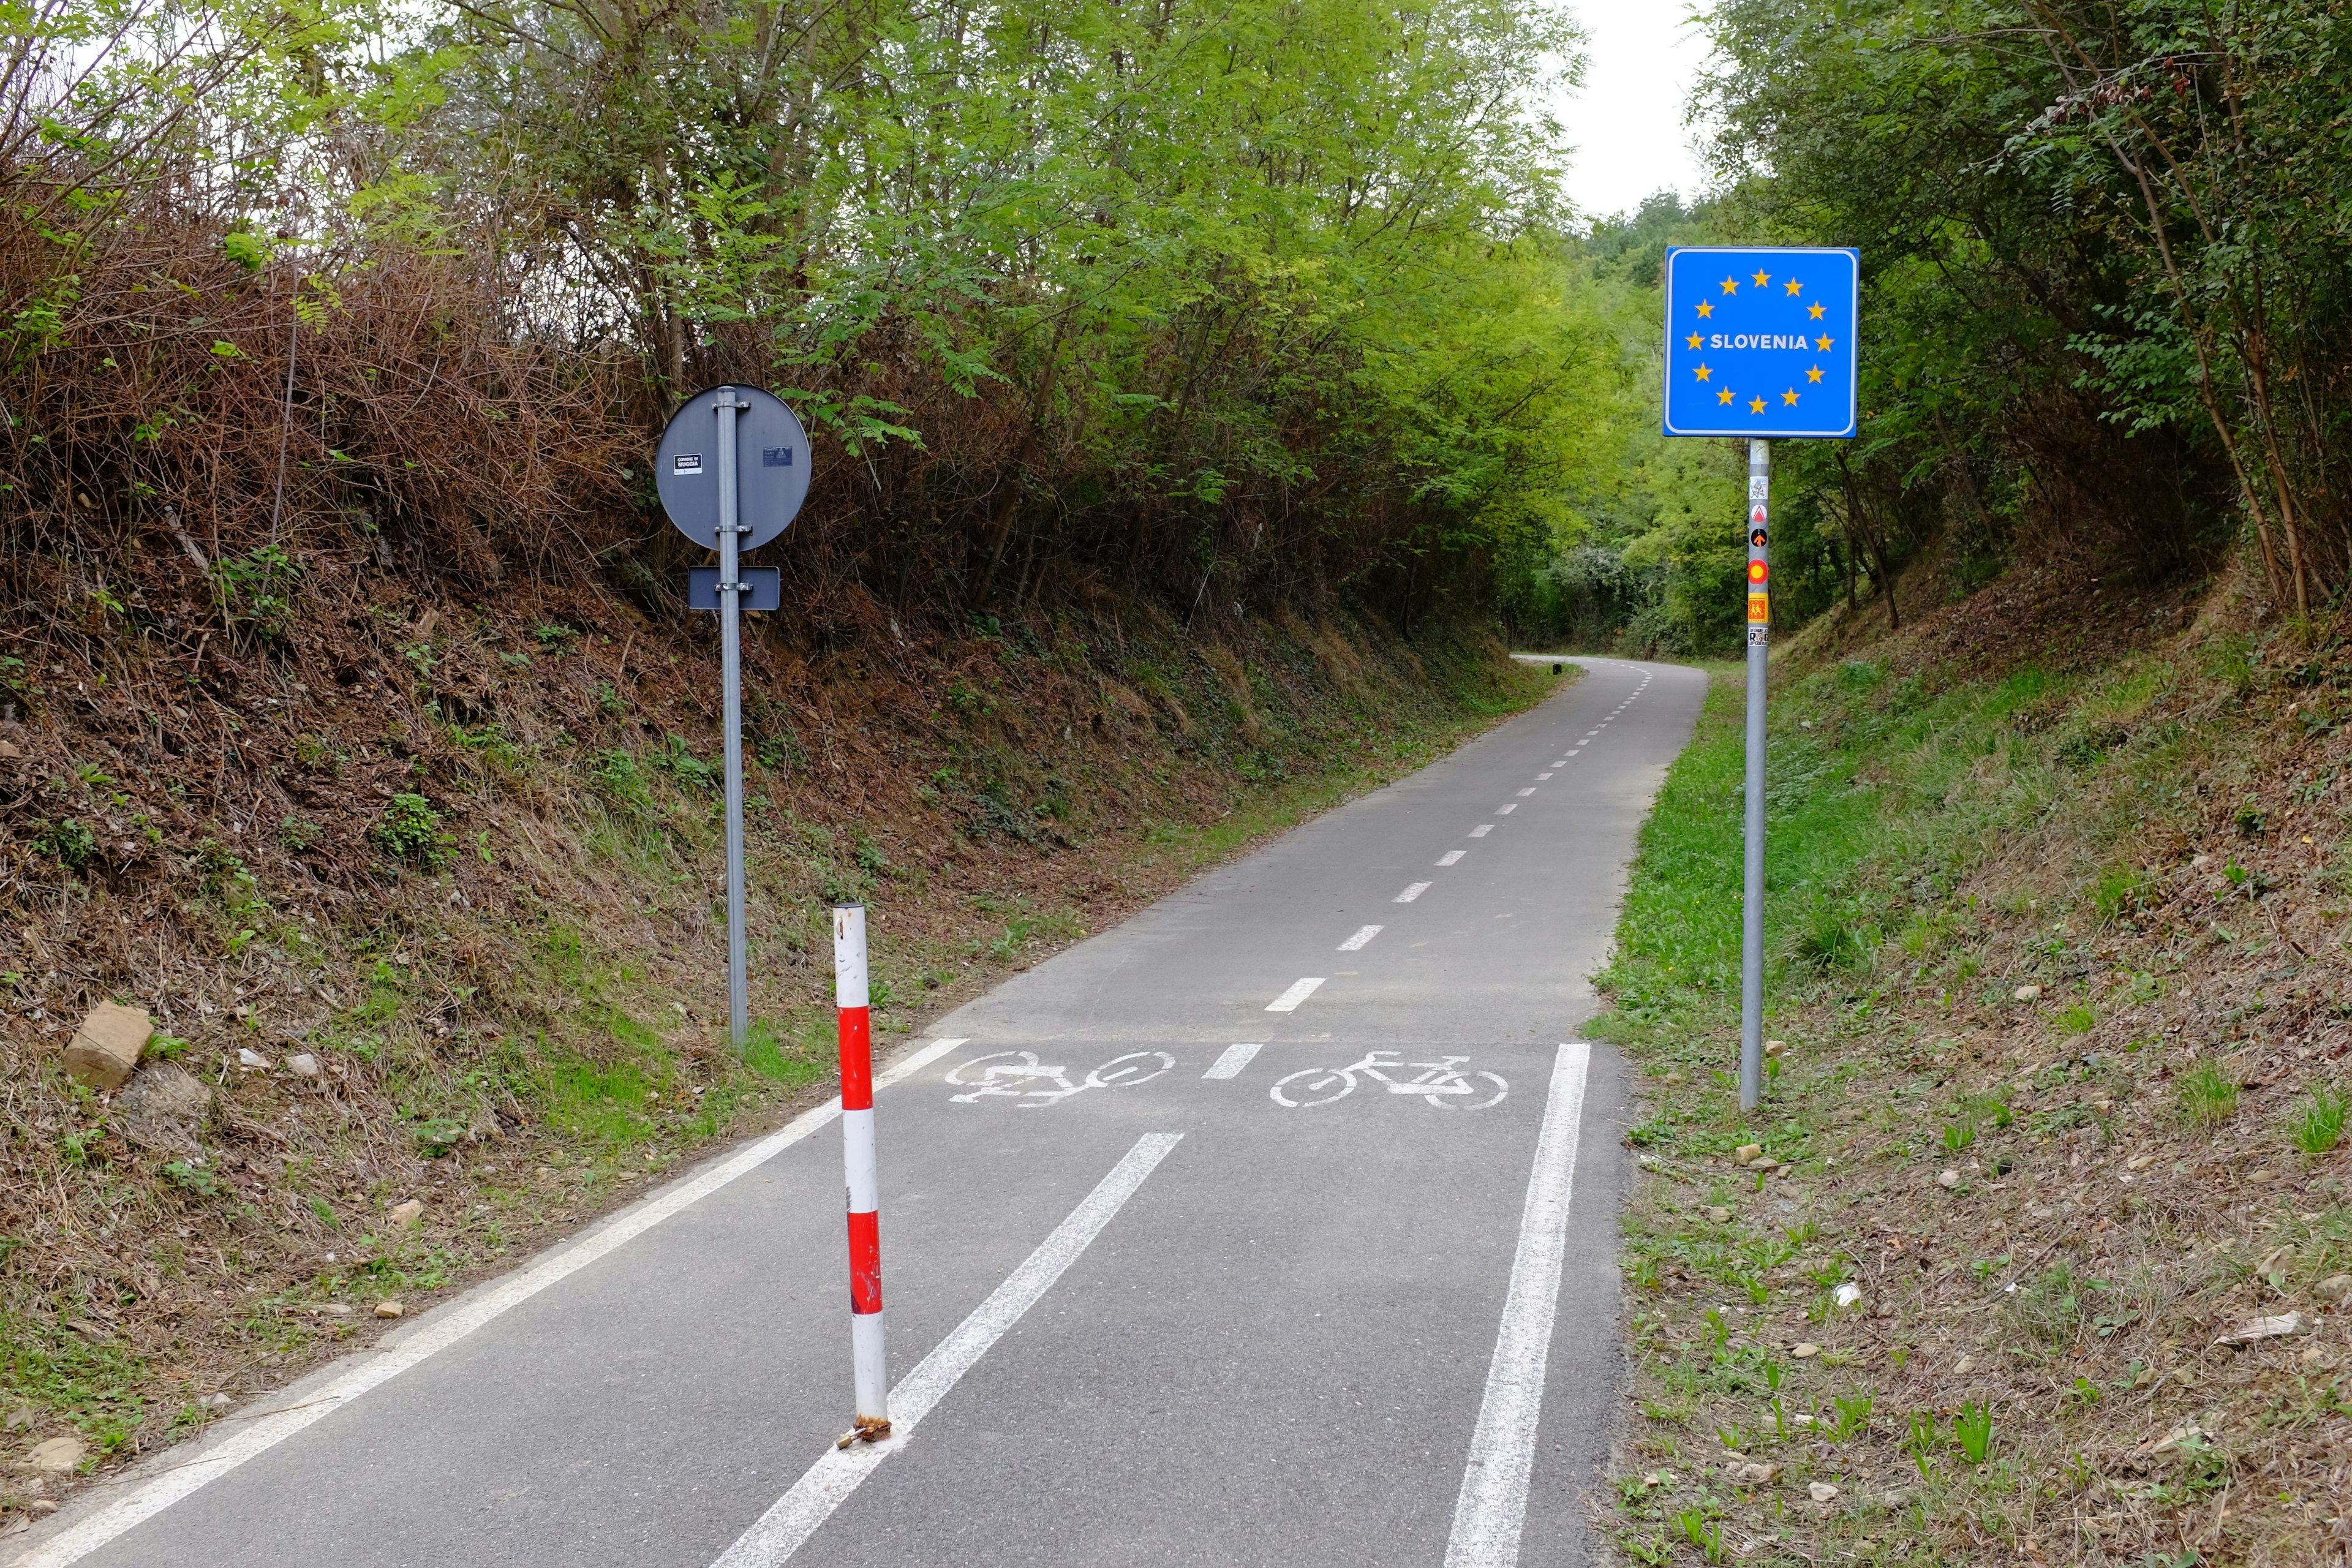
column 1276, row 1224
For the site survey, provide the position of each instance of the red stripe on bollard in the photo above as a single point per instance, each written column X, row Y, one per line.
column 866, row 1262
column 857, row 1059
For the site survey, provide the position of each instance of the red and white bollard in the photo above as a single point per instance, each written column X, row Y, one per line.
column 849, row 996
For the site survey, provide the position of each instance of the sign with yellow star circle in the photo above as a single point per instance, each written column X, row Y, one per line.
column 1761, row 341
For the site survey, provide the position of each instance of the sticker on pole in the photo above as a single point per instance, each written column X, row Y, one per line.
column 772, row 466
column 1760, row 341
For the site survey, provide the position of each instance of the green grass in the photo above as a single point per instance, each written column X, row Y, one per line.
column 92, row 1383
column 2209, row 1095
column 2321, row 1126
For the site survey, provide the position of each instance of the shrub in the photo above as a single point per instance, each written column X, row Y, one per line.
column 410, row 830
column 70, row 843
column 620, row 784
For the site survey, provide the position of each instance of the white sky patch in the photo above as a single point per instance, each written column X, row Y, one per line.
column 1627, row 120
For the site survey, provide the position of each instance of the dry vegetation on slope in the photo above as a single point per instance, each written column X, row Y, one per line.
column 421, row 893
column 2060, row 920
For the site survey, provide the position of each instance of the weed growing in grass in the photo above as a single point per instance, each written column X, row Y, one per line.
column 1702, row 1533
column 2209, row 1095
column 2321, row 1126
column 1972, row 1431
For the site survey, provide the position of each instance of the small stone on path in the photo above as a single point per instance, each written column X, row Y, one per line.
column 388, row 1309
column 1949, row 1179
column 1718, row 1215
column 401, row 1215
column 1807, row 1350
column 1821, row 1491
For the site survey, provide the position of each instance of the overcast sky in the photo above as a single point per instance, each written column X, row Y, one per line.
column 1626, row 121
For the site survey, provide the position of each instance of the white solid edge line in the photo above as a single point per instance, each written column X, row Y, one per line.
column 1300, row 990
column 436, row 1334
column 1232, row 1059
column 1411, row 893
column 824, row 1486
column 1492, row 1503
column 1363, row 936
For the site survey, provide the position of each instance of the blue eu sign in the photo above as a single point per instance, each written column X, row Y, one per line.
column 1761, row 341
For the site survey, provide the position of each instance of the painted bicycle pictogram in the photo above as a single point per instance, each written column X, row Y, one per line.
column 1019, row 1075
column 1444, row 1083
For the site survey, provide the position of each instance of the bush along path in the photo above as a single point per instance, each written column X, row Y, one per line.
column 2039, row 1248
column 421, row 902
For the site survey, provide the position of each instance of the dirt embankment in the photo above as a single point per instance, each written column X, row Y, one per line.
column 420, row 893
column 2039, row 1248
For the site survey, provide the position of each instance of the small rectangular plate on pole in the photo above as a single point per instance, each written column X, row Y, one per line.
column 763, row 587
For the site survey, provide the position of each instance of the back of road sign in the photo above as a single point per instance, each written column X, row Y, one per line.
column 772, row 466
column 1760, row 340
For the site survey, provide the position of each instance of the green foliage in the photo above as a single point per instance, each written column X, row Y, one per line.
column 1972, row 1431
column 410, row 830
column 1702, row 1533
column 2321, row 1126
column 2147, row 354
column 2208, row 1096
column 192, row 1176
column 68, row 842
column 255, row 591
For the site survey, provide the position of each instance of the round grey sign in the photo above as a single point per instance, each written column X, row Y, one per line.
column 772, row 466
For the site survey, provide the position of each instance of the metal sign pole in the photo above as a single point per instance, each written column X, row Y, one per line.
column 1759, row 630
column 730, row 651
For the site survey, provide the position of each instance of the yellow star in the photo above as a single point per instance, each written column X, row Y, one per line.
column 1814, row 373
column 1762, row 278
column 1724, row 396
column 1822, row 344
column 1692, row 340
column 1703, row 373
column 1705, row 309
column 1816, row 312
column 1755, row 405
column 1790, row 397
column 1730, row 286
column 1792, row 285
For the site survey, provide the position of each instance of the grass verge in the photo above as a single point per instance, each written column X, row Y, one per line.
column 2038, row 1249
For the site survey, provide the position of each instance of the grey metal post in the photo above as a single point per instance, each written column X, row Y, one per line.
column 730, row 652
column 1751, row 912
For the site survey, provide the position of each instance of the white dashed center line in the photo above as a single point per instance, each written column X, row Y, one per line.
column 1482, row 830
column 1526, row 792
column 1412, row 892
column 1451, row 856
column 1504, row 810
column 1299, row 992
column 1232, row 1059
column 1543, row 775
column 1363, row 934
